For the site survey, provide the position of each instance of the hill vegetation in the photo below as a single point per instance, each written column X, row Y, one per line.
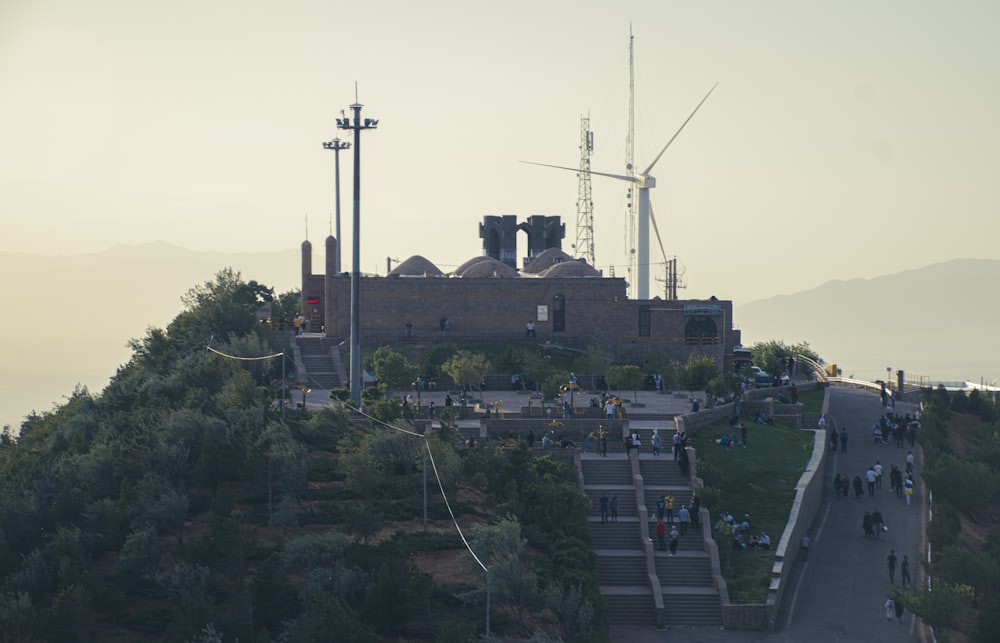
column 960, row 436
column 182, row 503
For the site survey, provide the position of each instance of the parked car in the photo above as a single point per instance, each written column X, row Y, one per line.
column 762, row 379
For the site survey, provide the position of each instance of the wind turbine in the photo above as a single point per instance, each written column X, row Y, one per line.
column 644, row 182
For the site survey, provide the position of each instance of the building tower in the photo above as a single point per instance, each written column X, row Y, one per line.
column 584, row 201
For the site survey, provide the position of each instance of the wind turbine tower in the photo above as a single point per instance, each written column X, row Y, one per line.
column 633, row 271
column 640, row 209
column 584, row 201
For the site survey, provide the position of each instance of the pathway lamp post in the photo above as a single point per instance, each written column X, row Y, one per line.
column 356, row 125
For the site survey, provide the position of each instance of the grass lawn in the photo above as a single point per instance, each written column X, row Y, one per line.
column 758, row 480
column 812, row 401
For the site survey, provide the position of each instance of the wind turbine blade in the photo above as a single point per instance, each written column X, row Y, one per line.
column 656, row 229
column 621, row 177
column 650, row 168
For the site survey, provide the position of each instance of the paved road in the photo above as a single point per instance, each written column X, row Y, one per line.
column 839, row 593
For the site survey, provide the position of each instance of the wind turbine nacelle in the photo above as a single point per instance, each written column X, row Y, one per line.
column 647, row 182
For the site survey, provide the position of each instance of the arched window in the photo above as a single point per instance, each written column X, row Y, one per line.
column 644, row 322
column 558, row 313
column 700, row 330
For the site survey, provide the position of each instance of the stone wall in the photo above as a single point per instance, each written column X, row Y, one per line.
column 806, row 503
column 596, row 312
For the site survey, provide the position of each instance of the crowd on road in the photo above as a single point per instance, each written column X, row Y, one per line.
column 891, row 434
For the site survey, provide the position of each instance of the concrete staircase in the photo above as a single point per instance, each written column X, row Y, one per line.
column 623, row 560
column 318, row 361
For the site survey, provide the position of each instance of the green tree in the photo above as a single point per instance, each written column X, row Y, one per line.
column 467, row 369
column 393, row 371
column 943, row 605
column 698, row 371
column 594, row 361
column 974, row 568
column 286, row 305
column 220, row 307
column 537, row 369
column 771, row 355
column 435, row 356
column 625, row 376
column 501, row 547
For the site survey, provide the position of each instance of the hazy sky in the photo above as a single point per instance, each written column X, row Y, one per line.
column 846, row 139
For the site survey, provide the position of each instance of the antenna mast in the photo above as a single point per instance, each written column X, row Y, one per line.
column 630, row 235
column 584, row 200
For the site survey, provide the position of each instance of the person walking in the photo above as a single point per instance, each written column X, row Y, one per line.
column 674, row 538
column 890, row 562
column 870, row 479
column 843, row 439
column 656, row 442
column 908, row 489
column 858, row 489
column 877, row 523
column 668, row 506
column 904, row 571
column 603, row 439
column 661, row 507
column 604, row 507
column 614, row 508
column 684, row 516
column 661, row 534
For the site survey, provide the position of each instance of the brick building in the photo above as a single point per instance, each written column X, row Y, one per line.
column 568, row 301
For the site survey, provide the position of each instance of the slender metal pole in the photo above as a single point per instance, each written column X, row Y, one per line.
column 336, row 166
column 356, row 267
column 487, row 602
column 425, row 481
column 356, row 126
column 284, row 382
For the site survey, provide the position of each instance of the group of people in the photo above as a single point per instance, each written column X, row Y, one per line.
column 687, row 515
column 742, row 532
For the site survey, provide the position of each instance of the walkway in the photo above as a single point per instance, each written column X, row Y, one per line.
column 838, row 594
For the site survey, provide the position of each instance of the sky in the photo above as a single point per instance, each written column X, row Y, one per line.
column 847, row 139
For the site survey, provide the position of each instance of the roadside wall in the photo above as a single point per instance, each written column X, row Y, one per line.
column 806, row 503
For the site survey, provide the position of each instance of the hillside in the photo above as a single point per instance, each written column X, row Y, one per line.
column 182, row 503
column 939, row 321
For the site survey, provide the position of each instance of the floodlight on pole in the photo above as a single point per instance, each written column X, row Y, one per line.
column 336, row 145
column 356, row 125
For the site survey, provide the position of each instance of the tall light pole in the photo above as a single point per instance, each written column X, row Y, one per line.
column 336, row 145
column 356, row 125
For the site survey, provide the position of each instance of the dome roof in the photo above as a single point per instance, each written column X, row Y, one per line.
column 571, row 268
column 471, row 262
column 416, row 266
column 486, row 267
column 545, row 259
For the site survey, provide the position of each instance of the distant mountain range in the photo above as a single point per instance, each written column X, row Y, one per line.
column 69, row 318
column 941, row 321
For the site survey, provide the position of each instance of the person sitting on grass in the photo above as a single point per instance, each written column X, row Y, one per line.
column 764, row 542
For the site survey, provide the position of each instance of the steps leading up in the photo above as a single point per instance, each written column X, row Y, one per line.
column 317, row 360
column 685, row 580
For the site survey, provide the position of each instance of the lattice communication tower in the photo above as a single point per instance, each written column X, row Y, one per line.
column 584, row 200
